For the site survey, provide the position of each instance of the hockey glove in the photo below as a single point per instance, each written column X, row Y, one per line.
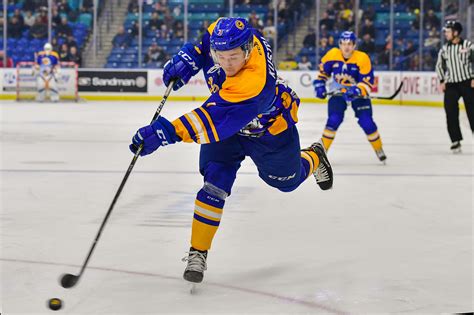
column 182, row 67
column 320, row 88
column 160, row 133
column 352, row 92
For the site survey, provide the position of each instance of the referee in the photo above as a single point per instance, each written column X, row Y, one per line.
column 456, row 74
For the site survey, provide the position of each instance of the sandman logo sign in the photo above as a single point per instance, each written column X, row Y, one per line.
column 113, row 81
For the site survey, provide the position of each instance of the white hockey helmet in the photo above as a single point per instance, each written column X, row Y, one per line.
column 47, row 47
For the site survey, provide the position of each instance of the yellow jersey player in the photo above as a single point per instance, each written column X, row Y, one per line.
column 352, row 73
column 249, row 113
column 47, row 70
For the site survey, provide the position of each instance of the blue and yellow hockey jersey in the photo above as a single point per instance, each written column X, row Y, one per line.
column 356, row 70
column 248, row 98
column 47, row 61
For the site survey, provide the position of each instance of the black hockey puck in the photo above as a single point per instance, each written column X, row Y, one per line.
column 55, row 304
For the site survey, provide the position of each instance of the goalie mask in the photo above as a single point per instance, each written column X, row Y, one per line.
column 48, row 48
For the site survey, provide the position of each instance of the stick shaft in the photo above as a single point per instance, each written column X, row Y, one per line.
column 124, row 180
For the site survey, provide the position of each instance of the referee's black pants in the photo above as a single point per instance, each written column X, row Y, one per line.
column 454, row 91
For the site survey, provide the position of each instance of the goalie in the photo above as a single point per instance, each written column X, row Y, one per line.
column 46, row 70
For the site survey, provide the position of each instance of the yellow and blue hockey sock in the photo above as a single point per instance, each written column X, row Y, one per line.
column 328, row 138
column 207, row 216
column 375, row 141
column 310, row 161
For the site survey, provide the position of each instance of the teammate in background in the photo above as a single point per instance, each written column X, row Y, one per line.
column 352, row 72
column 47, row 71
column 250, row 113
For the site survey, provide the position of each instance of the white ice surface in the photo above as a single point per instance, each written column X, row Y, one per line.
column 387, row 239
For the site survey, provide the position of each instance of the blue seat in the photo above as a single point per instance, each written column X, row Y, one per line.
column 111, row 65
column 86, row 19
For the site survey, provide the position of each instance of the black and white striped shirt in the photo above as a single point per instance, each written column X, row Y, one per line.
column 456, row 62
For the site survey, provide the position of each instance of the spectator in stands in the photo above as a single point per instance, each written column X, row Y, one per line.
column 327, row 22
column 63, row 29
column 310, row 40
column 368, row 28
column 204, row 27
column 43, row 15
column 367, row 45
column 305, row 64
column 133, row 30
column 409, row 49
column 369, row 13
column 331, row 42
column 161, row 7
column 415, row 23
column 56, row 18
column 178, row 30
column 428, row 62
column 323, row 46
column 433, row 39
column 14, row 28
column 165, row 32
column 29, row 19
column 63, row 52
column 155, row 56
column 74, row 56
column 20, row 18
column 54, row 43
column 155, row 22
column 431, row 20
column 9, row 63
column 177, row 11
column 330, row 11
column 133, row 7
column 168, row 19
column 269, row 32
column 71, row 42
column 87, row 6
column 39, row 30
column 121, row 39
column 63, row 7
column 255, row 21
column 414, row 63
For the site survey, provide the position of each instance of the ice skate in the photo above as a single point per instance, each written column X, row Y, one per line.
column 381, row 156
column 194, row 271
column 323, row 174
column 456, row 147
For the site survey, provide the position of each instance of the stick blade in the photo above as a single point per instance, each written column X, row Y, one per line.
column 68, row 280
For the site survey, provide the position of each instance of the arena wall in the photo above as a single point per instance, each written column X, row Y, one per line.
column 419, row 89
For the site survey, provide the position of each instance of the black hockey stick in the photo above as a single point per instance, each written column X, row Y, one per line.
column 69, row 280
column 391, row 97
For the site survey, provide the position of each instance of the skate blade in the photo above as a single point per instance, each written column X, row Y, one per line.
column 193, row 288
column 457, row 151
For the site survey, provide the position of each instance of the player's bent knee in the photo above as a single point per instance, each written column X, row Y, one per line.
column 367, row 124
column 335, row 120
column 219, row 175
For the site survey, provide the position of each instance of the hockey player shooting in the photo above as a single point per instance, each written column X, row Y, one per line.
column 47, row 70
column 352, row 73
column 249, row 113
